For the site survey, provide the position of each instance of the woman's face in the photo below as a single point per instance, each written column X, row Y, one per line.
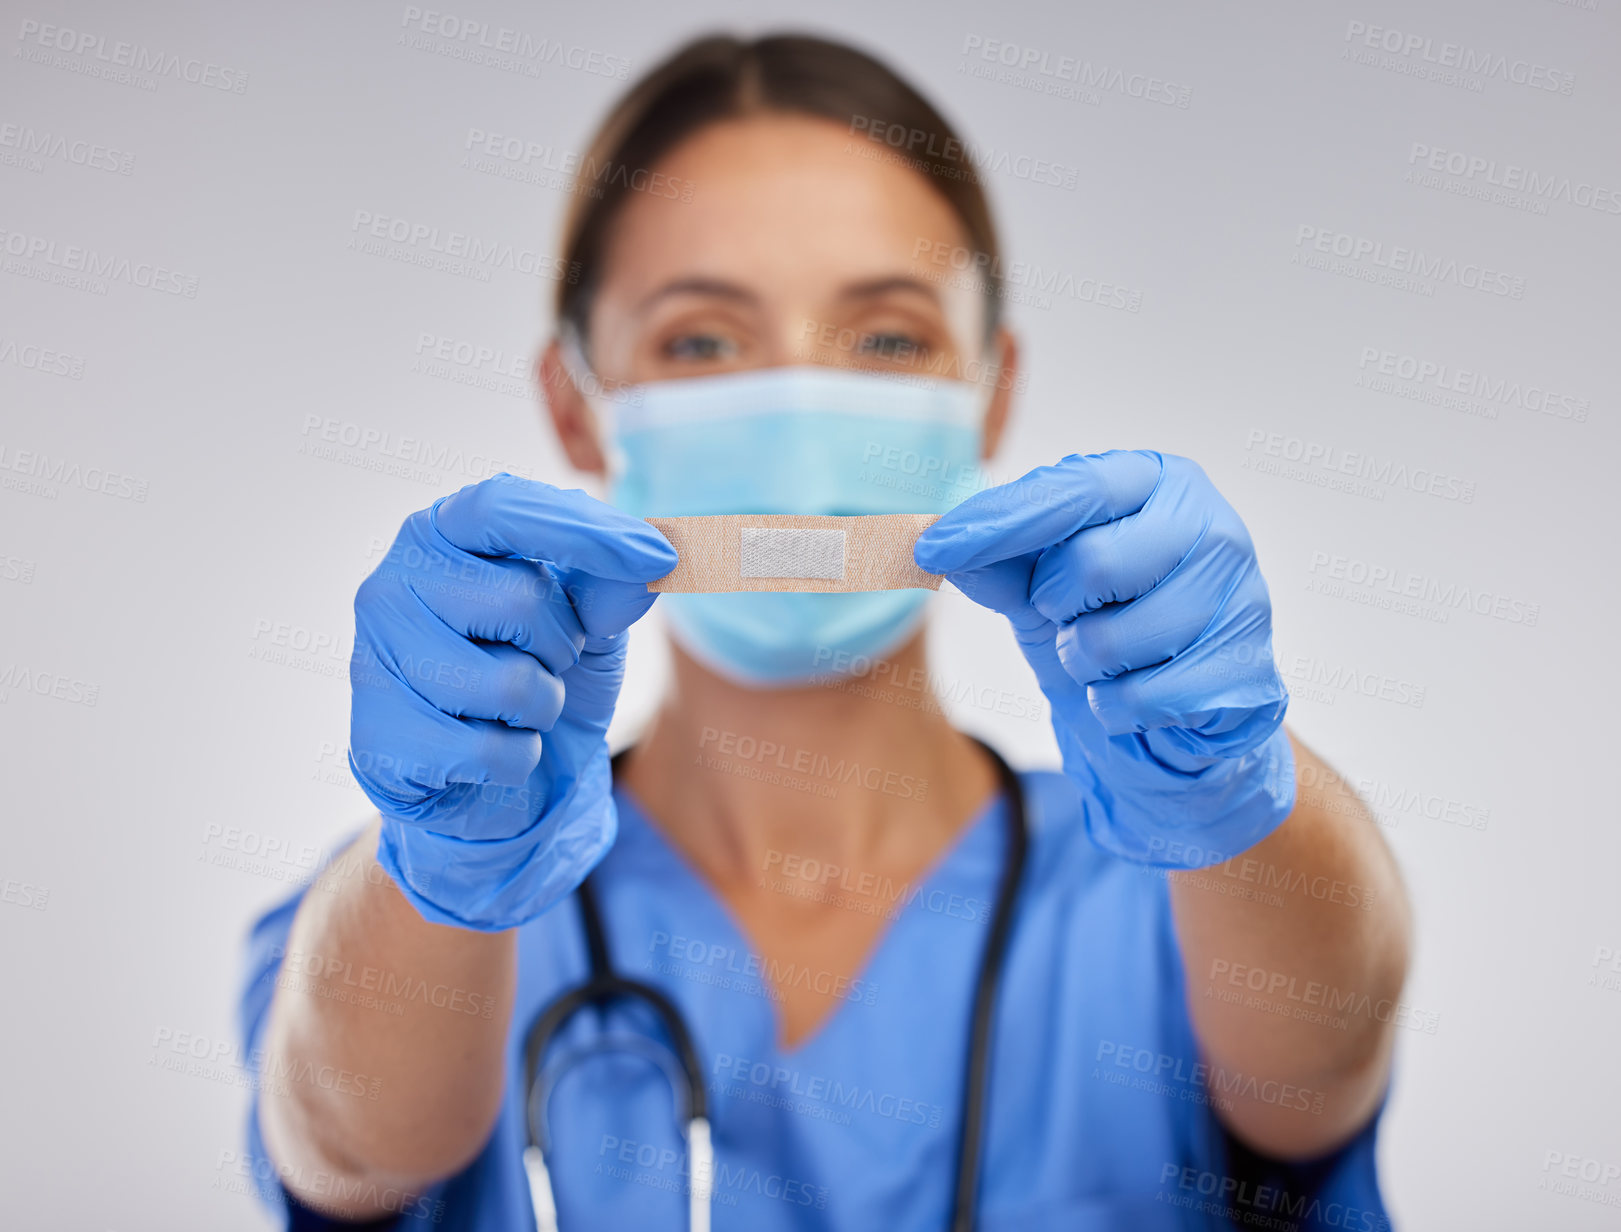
column 801, row 244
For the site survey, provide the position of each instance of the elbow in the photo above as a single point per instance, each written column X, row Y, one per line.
column 351, row 1146
column 350, row 1167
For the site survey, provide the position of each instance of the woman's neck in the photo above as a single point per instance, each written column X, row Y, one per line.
column 863, row 773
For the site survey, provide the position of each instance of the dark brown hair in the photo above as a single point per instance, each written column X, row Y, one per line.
column 720, row 77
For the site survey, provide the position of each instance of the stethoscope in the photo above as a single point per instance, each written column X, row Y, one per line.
column 605, row 985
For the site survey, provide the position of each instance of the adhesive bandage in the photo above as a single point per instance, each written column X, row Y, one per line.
column 803, row 552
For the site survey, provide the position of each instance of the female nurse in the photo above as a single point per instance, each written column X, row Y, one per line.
column 782, row 298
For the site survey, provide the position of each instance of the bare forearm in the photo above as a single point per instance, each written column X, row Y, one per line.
column 1296, row 951
column 383, row 1055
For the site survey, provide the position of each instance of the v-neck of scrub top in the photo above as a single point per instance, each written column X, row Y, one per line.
column 1095, row 1063
column 965, row 872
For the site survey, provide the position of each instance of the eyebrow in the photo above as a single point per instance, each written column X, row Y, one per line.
column 722, row 289
column 718, row 287
column 883, row 286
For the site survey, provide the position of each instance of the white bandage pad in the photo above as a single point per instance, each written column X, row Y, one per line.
column 804, row 552
column 791, row 552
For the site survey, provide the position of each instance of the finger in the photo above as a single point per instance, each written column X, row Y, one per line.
column 1113, row 563
column 603, row 602
column 1224, row 735
column 410, row 746
column 504, row 600
column 1003, row 587
column 593, row 685
column 1188, row 693
column 480, row 752
column 509, row 516
column 461, row 678
column 1044, row 507
column 603, row 607
column 470, row 680
column 1126, row 637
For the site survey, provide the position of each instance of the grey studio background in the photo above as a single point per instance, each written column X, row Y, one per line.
column 1284, row 246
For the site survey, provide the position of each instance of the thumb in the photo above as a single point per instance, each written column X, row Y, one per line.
column 605, row 607
column 1003, row 587
column 591, row 686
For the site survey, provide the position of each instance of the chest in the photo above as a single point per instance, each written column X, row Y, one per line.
column 860, row 1121
column 814, row 940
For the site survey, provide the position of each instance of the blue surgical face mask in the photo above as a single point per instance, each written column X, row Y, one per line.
column 807, row 440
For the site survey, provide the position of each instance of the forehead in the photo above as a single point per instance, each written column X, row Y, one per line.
column 790, row 206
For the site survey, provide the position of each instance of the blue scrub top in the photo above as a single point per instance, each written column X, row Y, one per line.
column 1100, row 1111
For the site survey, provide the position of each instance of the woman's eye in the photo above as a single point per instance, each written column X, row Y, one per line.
column 700, row 348
column 892, row 346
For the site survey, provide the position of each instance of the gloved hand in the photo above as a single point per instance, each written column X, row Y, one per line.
column 489, row 649
column 1134, row 592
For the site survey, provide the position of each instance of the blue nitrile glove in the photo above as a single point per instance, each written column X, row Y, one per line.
column 1134, row 592
column 489, row 649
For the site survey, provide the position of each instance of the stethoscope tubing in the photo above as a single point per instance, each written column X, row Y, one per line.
column 605, row 986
